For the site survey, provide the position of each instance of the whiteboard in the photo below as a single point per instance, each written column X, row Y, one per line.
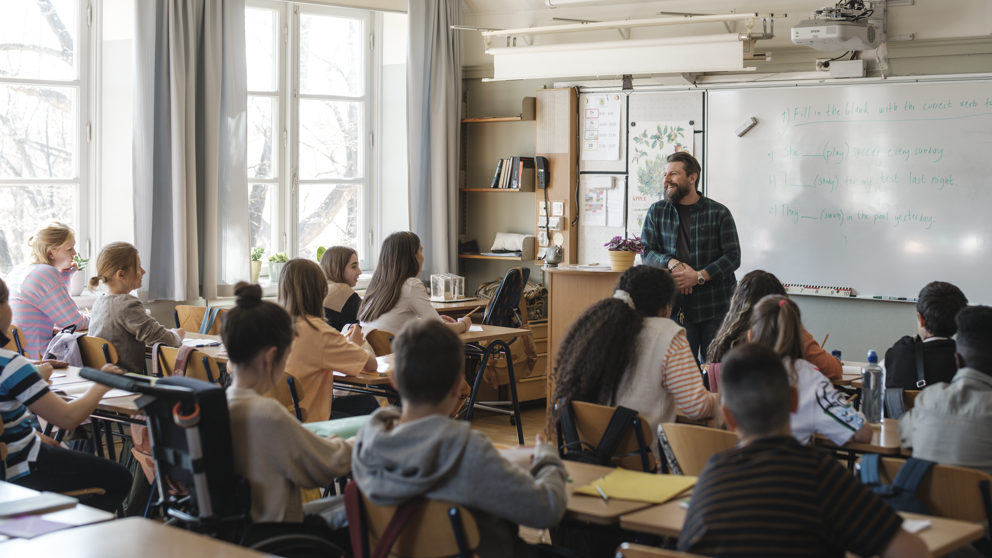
column 878, row 187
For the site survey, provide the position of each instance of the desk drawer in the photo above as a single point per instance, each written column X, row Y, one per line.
column 539, row 330
column 541, row 345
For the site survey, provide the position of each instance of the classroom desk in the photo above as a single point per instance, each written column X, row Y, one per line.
column 944, row 535
column 884, row 441
column 594, row 509
column 849, row 378
column 461, row 306
column 77, row 516
column 115, row 405
column 211, row 352
column 126, row 538
column 491, row 333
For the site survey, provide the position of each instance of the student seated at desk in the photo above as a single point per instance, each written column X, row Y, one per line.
column 625, row 351
column 771, row 496
column 419, row 451
column 39, row 294
column 395, row 296
column 119, row 317
column 319, row 349
column 36, row 461
column 951, row 423
column 340, row 265
column 775, row 323
column 752, row 288
column 936, row 307
column 272, row 450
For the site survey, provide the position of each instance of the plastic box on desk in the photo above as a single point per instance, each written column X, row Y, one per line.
column 446, row 286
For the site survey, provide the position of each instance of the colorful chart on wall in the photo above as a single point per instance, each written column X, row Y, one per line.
column 601, row 127
column 650, row 144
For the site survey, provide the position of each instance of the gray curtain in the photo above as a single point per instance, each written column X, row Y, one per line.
column 434, row 88
column 190, row 128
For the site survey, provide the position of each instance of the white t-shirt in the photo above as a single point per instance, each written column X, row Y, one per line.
column 821, row 408
column 414, row 303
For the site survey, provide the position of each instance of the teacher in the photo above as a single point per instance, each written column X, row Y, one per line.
column 696, row 239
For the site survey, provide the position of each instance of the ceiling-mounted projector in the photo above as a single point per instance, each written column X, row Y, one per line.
column 841, row 27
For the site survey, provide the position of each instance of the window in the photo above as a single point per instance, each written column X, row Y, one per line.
column 315, row 104
column 43, row 155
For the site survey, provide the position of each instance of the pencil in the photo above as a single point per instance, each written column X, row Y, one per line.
column 40, row 359
column 602, row 493
column 473, row 311
column 824, row 341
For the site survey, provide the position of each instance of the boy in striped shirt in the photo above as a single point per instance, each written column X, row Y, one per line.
column 771, row 496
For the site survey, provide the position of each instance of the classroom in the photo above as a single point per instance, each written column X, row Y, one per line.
column 541, row 278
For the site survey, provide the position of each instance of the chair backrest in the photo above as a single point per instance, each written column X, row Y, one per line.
column 951, row 492
column 909, row 398
column 591, row 421
column 508, row 302
column 283, row 393
column 428, row 534
column 381, row 342
column 631, row 550
column 694, row 445
column 17, row 341
column 198, row 366
column 190, row 318
column 96, row 352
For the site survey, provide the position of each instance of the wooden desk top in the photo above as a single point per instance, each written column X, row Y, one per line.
column 490, row 333
column 849, row 378
column 210, row 351
column 576, row 270
column 79, row 515
column 132, row 536
column 884, row 440
column 665, row 520
column 73, row 384
column 594, row 509
column 460, row 306
column 381, row 377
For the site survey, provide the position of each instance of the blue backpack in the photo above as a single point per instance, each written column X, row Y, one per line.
column 901, row 494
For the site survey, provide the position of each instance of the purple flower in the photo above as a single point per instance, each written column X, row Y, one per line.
column 621, row 244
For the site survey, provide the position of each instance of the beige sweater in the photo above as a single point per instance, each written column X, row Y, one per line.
column 122, row 320
column 279, row 457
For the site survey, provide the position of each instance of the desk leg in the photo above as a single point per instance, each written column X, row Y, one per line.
column 97, row 443
column 108, row 431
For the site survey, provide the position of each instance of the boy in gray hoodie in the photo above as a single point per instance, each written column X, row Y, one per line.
column 399, row 455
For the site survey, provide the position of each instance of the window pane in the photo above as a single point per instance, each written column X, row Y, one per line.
column 331, row 56
column 263, row 149
column 330, row 215
column 261, row 217
column 37, row 131
column 23, row 209
column 260, row 43
column 37, row 39
column 329, row 139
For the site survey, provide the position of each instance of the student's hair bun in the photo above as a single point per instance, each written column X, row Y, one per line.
column 249, row 295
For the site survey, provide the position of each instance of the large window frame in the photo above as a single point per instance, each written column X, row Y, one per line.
column 288, row 181
column 84, row 83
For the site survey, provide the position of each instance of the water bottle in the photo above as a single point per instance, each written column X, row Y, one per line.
column 836, row 354
column 872, row 389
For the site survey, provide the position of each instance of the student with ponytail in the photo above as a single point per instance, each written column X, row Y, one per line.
column 277, row 455
column 776, row 323
column 119, row 317
column 625, row 351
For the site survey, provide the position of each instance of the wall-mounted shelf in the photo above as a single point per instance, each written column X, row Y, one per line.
column 493, row 190
column 480, row 257
column 528, row 112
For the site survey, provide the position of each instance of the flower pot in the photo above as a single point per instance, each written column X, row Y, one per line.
column 256, row 267
column 621, row 260
column 77, row 283
column 274, row 269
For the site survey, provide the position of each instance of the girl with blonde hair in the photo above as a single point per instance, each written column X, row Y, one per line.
column 119, row 317
column 39, row 293
column 340, row 265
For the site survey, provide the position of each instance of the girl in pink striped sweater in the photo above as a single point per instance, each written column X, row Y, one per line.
column 39, row 293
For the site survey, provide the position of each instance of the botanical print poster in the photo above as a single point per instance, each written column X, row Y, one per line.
column 650, row 144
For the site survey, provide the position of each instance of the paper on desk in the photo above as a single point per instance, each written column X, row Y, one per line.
column 384, row 365
column 850, row 370
column 190, row 342
column 117, row 393
column 639, row 487
column 29, row 527
column 55, row 375
column 916, row 525
column 475, row 328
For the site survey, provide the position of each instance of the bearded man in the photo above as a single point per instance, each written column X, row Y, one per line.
column 696, row 239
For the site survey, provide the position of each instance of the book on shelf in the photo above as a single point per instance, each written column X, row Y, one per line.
column 514, row 173
column 499, row 169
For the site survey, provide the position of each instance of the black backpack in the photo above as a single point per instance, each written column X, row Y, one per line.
column 574, row 449
column 901, row 494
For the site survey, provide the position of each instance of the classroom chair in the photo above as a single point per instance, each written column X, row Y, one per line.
column 381, row 342
column 289, row 394
column 419, row 528
column 201, row 319
column 947, row 491
column 506, row 309
column 589, row 424
column 186, row 361
column 688, row 447
column 631, row 550
column 909, row 397
column 17, row 340
column 96, row 352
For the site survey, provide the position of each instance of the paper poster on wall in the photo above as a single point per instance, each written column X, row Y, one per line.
column 650, row 144
column 601, row 128
column 594, row 206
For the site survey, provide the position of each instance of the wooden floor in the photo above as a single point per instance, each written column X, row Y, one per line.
column 499, row 430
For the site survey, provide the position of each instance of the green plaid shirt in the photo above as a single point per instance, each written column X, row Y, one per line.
column 713, row 247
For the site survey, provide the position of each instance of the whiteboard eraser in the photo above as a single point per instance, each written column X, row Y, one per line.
column 747, row 125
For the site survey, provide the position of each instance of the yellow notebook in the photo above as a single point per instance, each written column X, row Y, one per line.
column 623, row 484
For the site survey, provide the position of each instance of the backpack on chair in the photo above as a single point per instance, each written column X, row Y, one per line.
column 602, row 454
column 901, row 494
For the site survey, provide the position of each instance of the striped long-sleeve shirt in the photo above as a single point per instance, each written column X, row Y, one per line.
column 20, row 385
column 40, row 300
column 664, row 378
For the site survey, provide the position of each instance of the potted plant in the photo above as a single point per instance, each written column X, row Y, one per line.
column 275, row 265
column 622, row 251
column 78, row 280
column 256, row 263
